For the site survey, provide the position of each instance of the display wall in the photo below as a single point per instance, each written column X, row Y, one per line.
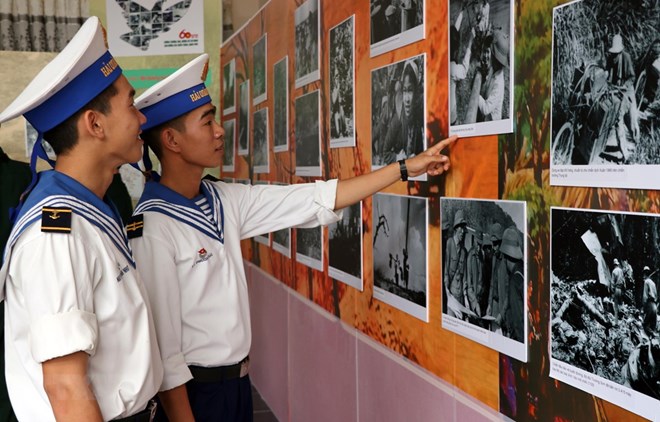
column 510, row 168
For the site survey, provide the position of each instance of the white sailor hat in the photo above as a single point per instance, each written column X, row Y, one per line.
column 80, row 72
column 176, row 95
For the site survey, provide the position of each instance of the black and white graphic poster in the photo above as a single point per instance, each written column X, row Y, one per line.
column 308, row 135
column 345, row 247
column 260, row 155
column 342, row 83
column 229, row 87
column 398, row 112
column 395, row 24
column 244, row 118
column 399, row 252
column 605, row 111
column 309, row 247
column 282, row 238
column 603, row 305
column 155, row 27
column 307, row 36
column 281, row 105
column 480, row 67
column 484, row 288
column 230, row 141
column 259, row 79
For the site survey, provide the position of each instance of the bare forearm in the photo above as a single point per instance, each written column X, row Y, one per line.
column 176, row 405
column 355, row 189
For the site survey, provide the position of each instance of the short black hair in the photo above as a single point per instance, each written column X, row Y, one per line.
column 64, row 136
column 151, row 137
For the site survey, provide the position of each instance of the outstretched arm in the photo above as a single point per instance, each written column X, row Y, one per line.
column 357, row 188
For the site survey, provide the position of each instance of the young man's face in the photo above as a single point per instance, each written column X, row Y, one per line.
column 204, row 139
column 123, row 124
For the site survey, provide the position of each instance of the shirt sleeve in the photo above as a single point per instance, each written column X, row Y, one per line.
column 56, row 275
column 268, row 208
column 156, row 262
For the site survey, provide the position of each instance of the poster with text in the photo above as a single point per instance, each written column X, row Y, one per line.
column 603, row 308
column 345, row 244
column 398, row 112
column 484, row 269
column 342, row 84
column 480, row 67
column 395, row 24
column 605, row 109
column 307, row 36
column 155, row 27
column 400, row 264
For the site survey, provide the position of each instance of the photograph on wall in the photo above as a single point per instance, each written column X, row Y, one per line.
column 398, row 112
column 230, row 139
column 395, row 24
column 259, row 79
column 308, row 135
column 399, row 241
column 605, row 108
column 308, row 34
column 604, row 271
column 244, row 118
column 229, row 87
column 309, row 247
column 484, row 270
column 243, row 181
column 260, row 155
column 480, row 67
column 264, row 239
column 281, row 105
column 345, row 243
column 227, row 179
column 342, row 83
column 136, row 30
column 282, row 238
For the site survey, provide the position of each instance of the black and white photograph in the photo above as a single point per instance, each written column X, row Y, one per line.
column 227, row 179
column 605, row 117
column 260, row 155
column 398, row 112
column 244, row 118
column 395, row 23
column 484, row 267
column 264, row 239
column 230, row 140
column 400, row 240
column 480, row 67
column 229, row 87
column 282, row 238
column 309, row 247
column 308, row 33
column 342, row 83
column 345, row 244
column 308, row 135
column 243, row 181
column 281, row 105
column 259, row 79
column 604, row 271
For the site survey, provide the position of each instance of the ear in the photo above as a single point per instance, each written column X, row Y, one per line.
column 91, row 123
column 168, row 139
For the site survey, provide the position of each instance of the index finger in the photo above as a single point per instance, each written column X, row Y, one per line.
column 444, row 143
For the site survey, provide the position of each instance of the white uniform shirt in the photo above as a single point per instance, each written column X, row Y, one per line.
column 193, row 269
column 71, row 292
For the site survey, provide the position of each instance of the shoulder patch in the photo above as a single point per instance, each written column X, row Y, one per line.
column 135, row 226
column 56, row 220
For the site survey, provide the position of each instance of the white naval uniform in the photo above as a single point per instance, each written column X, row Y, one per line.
column 193, row 268
column 71, row 292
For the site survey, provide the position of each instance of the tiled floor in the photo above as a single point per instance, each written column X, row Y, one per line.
column 262, row 412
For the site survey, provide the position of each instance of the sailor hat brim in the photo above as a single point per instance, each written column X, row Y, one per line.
column 176, row 95
column 81, row 71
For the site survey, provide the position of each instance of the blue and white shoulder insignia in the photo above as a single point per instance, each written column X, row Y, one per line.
column 135, row 226
column 56, row 219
